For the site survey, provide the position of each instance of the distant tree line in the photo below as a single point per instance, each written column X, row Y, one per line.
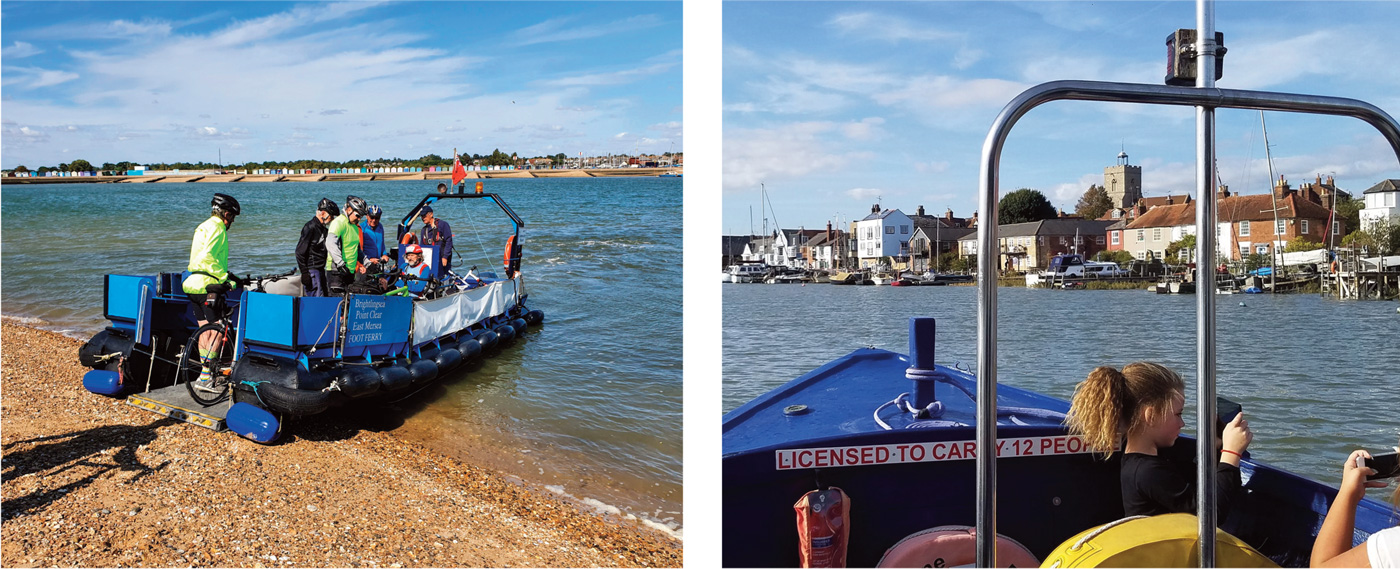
column 495, row 158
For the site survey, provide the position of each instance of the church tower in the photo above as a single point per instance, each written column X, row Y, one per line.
column 1123, row 182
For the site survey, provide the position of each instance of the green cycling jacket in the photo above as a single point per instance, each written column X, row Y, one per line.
column 342, row 244
column 208, row 254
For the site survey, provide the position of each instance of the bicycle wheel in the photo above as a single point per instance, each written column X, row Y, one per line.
column 220, row 364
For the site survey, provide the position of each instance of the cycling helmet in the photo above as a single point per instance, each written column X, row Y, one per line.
column 226, row 203
column 356, row 205
column 413, row 249
column 328, row 206
column 375, row 212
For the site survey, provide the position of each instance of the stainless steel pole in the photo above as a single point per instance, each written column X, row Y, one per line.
column 987, row 236
column 987, row 256
column 1205, row 284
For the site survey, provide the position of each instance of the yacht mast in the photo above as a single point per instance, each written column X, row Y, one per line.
column 1273, row 199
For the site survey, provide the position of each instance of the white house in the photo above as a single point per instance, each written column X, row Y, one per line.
column 883, row 233
column 1380, row 203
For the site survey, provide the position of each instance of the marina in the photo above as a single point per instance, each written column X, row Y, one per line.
column 992, row 474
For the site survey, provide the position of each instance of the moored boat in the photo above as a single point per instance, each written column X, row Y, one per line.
column 292, row 356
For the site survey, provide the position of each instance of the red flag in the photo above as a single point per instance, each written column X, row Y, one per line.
column 458, row 173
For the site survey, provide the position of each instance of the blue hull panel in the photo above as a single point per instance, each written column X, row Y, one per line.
column 1046, row 491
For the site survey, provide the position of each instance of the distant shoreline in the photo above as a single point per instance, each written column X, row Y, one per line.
column 357, row 177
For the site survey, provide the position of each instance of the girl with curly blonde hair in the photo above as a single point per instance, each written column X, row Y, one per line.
column 1140, row 407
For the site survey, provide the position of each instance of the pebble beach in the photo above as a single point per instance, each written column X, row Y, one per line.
column 92, row 481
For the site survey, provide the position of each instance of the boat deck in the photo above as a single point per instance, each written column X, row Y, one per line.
column 854, row 386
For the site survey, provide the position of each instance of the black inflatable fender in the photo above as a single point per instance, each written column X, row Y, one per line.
column 534, row 317
column 293, row 402
column 394, row 377
column 507, row 334
column 103, row 343
column 422, row 371
column 520, row 325
column 358, row 381
column 470, row 349
column 448, row 360
column 488, row 340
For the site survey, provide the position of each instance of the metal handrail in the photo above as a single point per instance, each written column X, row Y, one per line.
column 1206, row 99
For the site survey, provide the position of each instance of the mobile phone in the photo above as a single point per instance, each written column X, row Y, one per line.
column 1386, row 465
column 1225, row 411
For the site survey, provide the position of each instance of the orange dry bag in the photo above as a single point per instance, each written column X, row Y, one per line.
column 823, row 527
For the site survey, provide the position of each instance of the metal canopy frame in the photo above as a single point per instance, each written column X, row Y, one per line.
column 1206, row 98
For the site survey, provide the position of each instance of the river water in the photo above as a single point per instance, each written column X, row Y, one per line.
column 1317, row 378
column 589, row 405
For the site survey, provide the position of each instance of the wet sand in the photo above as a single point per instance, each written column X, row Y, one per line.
column 92, row 481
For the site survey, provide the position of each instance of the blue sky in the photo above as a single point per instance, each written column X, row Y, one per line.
column 179, row 81
column 834, row 106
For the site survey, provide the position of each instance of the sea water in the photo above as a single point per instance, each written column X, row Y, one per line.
column 588, row 405
column 1317, row 377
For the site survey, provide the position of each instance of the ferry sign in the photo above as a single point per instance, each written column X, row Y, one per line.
column 872, row 455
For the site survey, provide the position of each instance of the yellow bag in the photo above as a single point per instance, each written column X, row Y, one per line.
column 1169, row 540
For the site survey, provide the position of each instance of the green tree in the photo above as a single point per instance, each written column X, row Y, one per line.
column 1187, row 243
column 1255, row 261
column 560, row 159
column 1094, row 203
column 1349, row 213
column 1120, row 256
column 21, row 168
column 1024, row 205
column 1301, row 243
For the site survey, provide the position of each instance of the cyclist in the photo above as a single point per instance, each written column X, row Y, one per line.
column 372, row 236
column 344, row 256
column 413, row 266
column 210, row 278
column 311, row 249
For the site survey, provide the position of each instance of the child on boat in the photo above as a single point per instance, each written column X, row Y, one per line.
column 1141, row 406
column 1332, row 548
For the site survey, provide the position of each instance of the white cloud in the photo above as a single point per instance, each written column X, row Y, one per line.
column 619, row 77
column 888, row 28
column 752, row 156
column 865, row 194
column 866, row 129
column 557, row 30
column 20, row 50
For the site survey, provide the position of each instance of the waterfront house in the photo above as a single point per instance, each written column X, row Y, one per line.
column 931, row 240
column 824, row 250
column 1029, row 246
column 788, row 247
column 883, row 233
column 732, row 248
column 1381, row 203
column 1246, row 224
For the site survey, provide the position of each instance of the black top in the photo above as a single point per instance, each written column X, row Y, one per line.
column 1155, row 485
column 311, row 248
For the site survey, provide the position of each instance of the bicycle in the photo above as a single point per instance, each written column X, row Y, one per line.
column 191, row 363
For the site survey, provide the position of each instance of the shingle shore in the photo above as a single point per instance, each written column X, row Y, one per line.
column 91, row 481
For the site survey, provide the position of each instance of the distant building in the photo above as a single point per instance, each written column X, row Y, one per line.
column 1380, row 202
column 1029, row 246
column 1123, row 182
column 883, row 233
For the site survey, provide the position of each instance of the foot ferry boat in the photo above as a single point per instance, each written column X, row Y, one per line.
column 880, row 455
column 287, row 355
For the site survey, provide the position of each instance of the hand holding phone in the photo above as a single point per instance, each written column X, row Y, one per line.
column 1386, row 465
